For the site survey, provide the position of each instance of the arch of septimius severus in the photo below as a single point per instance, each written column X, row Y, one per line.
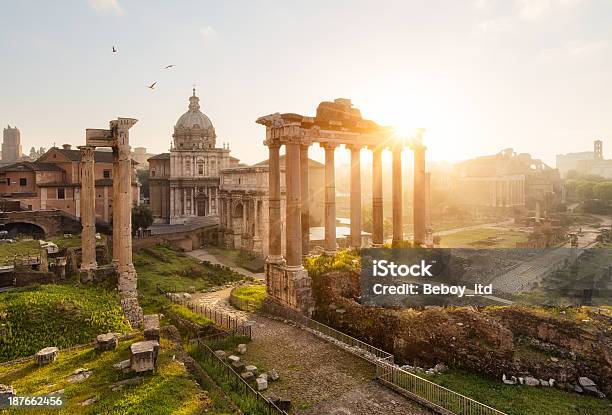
column 116, row 137
column 336, row 123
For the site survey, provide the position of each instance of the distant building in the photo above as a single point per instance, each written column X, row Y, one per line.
column 586, row 162
column 244, row 204
column 140, row 155
column 53, row 182
column 11, row 144
column 184, row 183
column 505, row 180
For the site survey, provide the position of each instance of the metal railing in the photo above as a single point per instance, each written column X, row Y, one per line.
column 430, row 394
column 219, row 319
column 259, row 403
column 427, row 393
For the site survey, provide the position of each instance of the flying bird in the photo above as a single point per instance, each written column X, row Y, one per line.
column 169, row 66
column 152, row 85
column 114, row 50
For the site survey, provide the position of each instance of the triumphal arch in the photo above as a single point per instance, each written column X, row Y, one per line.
column 335, row 124
column 118, row 139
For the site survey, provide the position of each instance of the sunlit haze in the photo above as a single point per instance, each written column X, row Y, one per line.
column 479, row 76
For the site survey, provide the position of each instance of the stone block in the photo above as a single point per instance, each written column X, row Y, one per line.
column 151, row 327
column 273, row 374
column 107, row 341
column 241, row 348
column 143, row 355
column 46, row 355
column 247, row 376
column 251, row 368
column 238, row 366
column 122, row 365
column 220, row 354
column 262, row 384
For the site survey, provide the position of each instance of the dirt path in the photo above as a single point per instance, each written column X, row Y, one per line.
column 318, row 377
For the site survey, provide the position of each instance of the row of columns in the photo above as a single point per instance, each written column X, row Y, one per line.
column 297, row 199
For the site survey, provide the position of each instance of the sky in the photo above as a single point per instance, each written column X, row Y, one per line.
column 478, row 75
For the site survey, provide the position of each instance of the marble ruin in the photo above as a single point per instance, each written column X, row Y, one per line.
column 336, row 123
column 116, row 137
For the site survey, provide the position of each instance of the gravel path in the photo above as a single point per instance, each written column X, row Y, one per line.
column 318, row 377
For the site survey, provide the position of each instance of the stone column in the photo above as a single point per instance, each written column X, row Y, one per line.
column 396, row 182
column 274, row 203
column 292, row 207
column 305, row 198
column 355, row 197
column 123, row 174
column 88, row 213
column 377, row 198
column 330, row 200
column 419, row 196
column 116, row 215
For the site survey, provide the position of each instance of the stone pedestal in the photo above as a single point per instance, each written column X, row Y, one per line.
column 290, row 287
column 143, row 356
column 107, row 341
column 46, row 355
column 151, row 327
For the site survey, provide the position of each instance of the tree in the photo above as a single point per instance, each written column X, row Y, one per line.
column 142, row 218
column 603, row 191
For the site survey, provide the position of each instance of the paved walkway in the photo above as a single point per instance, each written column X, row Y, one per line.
column 318, row 377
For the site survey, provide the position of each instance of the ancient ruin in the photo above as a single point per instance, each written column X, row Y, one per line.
column 117, row 137
column 336, row 123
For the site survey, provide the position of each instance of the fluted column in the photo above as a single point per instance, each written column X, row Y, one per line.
column 377, row 198
column 116, row 215
column 330, row 200
column 419, row 196
column 274, row 238
column 396, row 179
column 355, row 197
column 88, row 209
column 293, row 200
column 123, row 175
column 305, row 198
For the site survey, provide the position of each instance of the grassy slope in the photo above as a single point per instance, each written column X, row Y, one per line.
column 56, row 315
column 169, row 391
column 174, row 272
column 255, row 293
column 522, row 400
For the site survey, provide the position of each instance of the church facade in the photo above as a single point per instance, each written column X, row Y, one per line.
column 184, row 183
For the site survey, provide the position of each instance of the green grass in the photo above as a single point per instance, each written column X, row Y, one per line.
column 521, row 400
column 483, row 238
column 19, row 248
column 174, row 272
column 56, row 315
column 170, row 390
column 252, row 293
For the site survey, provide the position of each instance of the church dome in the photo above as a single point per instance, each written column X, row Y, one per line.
column 194, row 117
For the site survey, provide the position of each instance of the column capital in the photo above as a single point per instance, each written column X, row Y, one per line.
column 87, row 152
column 272, row 143
column 328, row 146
